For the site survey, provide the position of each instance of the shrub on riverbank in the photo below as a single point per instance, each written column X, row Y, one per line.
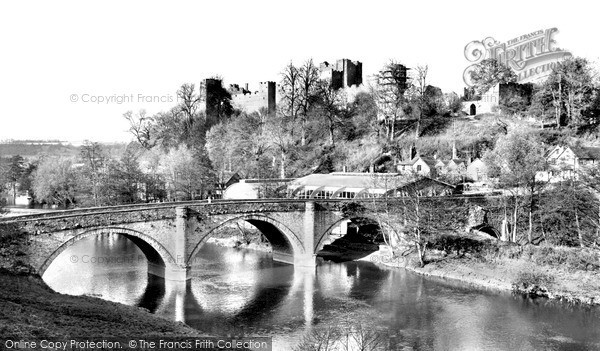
column 461, row 245
column 571, row 258
column 533, row 282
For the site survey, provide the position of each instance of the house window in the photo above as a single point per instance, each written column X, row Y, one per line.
column 418, row 168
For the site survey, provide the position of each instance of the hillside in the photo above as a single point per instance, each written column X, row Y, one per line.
column 33, row 149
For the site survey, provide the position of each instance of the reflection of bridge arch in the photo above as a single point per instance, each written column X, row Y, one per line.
column 284, row 241
column 324, row 237
column 156, row 254
column 270, row 290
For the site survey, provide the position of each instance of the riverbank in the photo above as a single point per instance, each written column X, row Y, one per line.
column 566, row 274
column 31, row 310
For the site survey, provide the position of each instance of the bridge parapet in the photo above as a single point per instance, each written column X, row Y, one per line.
column 243, row 207
column 39, row 225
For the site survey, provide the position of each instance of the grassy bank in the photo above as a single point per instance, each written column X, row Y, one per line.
column 562, row 273
column 30, row 309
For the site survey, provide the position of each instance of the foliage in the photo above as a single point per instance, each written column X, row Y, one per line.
column 240, row 145
column 515, row 98
column 516, row 160
column 331, row 106
column 490, row 72
column 568, row 214
column 571, row 258
column 11, row 174
column 533, row 282
column 55, row 182
column 567, row 94
column 352, row 209
column 125, row 179
column 187, row 174
column 461, row 245
column 94, row 170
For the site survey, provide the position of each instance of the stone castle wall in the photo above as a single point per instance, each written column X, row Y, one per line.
column 251, row 101
column 344, row 73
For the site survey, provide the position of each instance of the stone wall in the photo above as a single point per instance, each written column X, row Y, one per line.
column 252, row 101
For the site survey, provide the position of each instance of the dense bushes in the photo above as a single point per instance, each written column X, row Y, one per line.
column 534, row 282
column 489, row 250
column 461, row 246
column 571, row 258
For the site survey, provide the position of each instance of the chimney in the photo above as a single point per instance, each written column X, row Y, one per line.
column 246, row 86
column 372, row 168
column 344, row 169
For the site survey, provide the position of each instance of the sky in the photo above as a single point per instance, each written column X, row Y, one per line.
column 60, row 59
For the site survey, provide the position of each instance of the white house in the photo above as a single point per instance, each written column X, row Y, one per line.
column 477, row 171
column 565, row 162
column 423, row 166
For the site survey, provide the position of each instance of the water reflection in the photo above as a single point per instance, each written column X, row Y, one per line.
column 237, row 291
column 107, row 266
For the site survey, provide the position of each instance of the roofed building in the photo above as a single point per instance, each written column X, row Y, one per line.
column 477, row 171
column 423, row 166
column 565, row 162
column 342, row 185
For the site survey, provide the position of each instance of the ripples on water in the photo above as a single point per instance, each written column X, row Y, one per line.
column 239, row 291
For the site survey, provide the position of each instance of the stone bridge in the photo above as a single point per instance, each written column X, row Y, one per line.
column 171, row 234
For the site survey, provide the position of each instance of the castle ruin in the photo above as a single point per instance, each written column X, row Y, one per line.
column 250, row 101
column 241, row 96
column 343, row 74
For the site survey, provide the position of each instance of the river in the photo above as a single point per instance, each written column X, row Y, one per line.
column 239, row 291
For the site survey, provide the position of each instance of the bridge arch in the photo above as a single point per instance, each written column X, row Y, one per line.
column 487, row 229
column 323, row 237
column 158, row 256
column 284, row 241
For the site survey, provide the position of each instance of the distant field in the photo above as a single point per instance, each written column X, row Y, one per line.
column 29, row 150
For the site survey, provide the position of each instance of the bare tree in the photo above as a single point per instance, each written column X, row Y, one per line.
column 290, row 93
column 278, row 134
column 94, row 160
column 421, row 85
column 140, row 126
column 389, row 95
column 309, row 79
column 332, row 106
column 189, row 103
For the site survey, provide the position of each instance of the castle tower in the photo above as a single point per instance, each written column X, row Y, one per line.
column 343, row 74
column 268, row 89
